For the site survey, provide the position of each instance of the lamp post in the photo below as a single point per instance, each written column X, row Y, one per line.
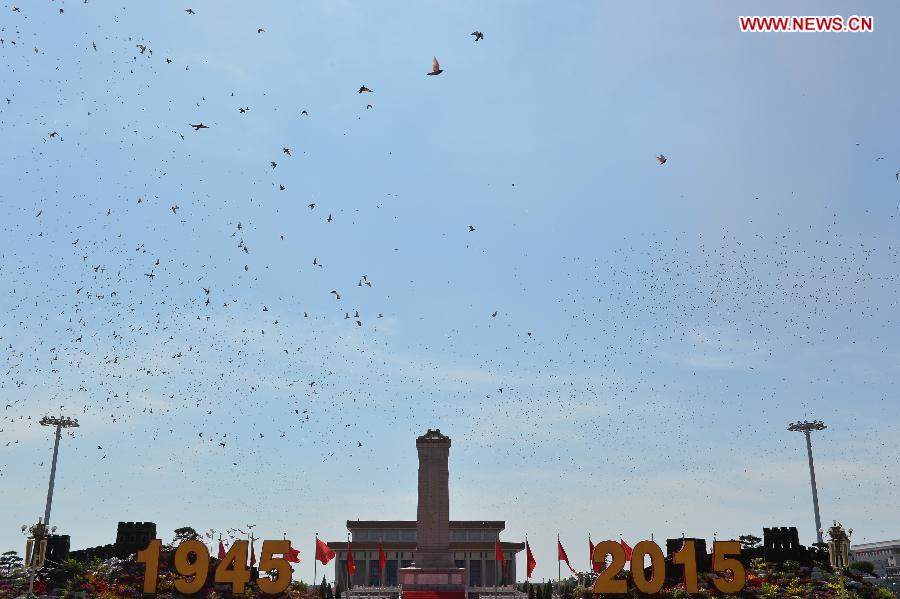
column 60, row 423
column 806, row 427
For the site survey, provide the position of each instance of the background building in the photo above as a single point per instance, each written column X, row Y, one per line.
column 884, row 555
column 471, row 546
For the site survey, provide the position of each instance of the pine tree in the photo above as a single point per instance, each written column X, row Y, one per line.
column 9, row 562
column 337, row 590
column 531, row 593
column 323, row 589
column 330, row 593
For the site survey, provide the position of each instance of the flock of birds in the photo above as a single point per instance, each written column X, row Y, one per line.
column 121, row 317
column 119, row 412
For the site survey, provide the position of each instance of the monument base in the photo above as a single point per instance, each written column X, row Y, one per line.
column 433, row 579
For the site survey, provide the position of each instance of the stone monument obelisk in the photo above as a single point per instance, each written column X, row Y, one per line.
column 433, row 514
column 433, row 566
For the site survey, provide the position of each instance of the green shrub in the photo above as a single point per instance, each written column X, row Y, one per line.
column 863, row 566
column 883, row 593
column 768, row 591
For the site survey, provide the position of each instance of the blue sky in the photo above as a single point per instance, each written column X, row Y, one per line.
column 657, row 326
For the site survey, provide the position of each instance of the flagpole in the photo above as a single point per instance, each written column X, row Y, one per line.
column 349, row 577
column 558, row 566
column 590, row 561
column 526, row 563
column 620, row 543
column 495, row 576
column 315, row 569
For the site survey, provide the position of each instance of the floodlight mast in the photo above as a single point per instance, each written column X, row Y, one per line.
column 806, row 427
column 60, row 423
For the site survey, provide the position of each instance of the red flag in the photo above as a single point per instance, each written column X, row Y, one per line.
column 627, row 549
column 529, row 558
column 561, row 556
column 498, row 555
column 221, row 551
column 351, row 567
column 293, row 555
column 382, row 558
column 252, row 555
column 595, row 567
column 324, row 553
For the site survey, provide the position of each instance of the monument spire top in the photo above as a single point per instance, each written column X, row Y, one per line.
column 433, row 436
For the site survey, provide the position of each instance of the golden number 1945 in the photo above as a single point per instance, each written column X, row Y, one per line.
column 192, row 565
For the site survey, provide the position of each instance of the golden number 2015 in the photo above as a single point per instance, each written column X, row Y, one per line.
column 732, row 576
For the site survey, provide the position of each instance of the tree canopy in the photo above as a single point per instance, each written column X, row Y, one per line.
column 185, row 533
